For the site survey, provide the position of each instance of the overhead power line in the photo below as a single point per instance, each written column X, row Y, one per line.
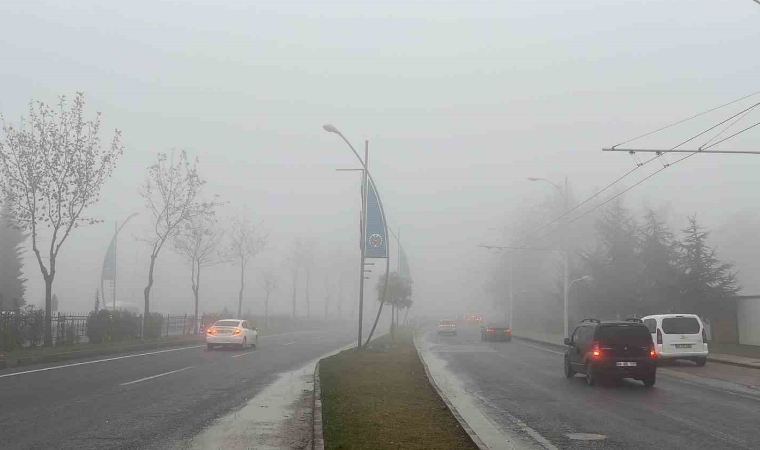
column 740, row 115
column 642, row 164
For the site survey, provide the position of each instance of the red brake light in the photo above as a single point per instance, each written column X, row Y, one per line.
column 489, row 330
column 704, row 336
column 596, row 351
column 211, row 331
column 508, row 330
column 659, row 336
column 653, row 353
column 237, row 332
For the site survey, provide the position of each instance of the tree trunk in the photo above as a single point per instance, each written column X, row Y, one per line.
column 48, row 310
column 266, row 311
column 308, row 306
column 146, row 293
column 242, row 286
column 393, row 315
column 196, row 289
column 295, row 287
column 406, row 315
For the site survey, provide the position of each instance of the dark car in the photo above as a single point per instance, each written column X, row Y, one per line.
column 611, row 349
column 495, row 331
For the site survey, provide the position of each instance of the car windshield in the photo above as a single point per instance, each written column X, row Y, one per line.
column 447, row 322
column 227, row 323
column 624, row 334
column 680, row 325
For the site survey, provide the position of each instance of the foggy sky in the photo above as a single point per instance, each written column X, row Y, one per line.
column 460, row 101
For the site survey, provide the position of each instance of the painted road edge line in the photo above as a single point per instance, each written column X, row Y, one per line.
column 289, row 343
column 155, row 376
column 317, row 433
column 470, row 432
column 98, row 361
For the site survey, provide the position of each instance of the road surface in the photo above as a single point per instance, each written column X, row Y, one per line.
column 145, row 400
column 520, row 388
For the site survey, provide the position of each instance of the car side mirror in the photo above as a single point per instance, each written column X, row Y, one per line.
column 568, row 342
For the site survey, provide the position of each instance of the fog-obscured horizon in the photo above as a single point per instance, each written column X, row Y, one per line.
column 461, row 102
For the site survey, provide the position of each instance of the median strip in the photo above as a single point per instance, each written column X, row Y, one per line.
column 155, row 376
column 380, row 397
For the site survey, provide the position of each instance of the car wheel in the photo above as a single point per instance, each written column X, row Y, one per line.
column 701, row 361
column 590, row 377
column 569, row 372
column 209, row 346
column 649, row 381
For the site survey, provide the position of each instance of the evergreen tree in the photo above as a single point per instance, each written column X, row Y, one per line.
column 614, row 264
column 12, row 281
column 660, row 272
column 706, row 280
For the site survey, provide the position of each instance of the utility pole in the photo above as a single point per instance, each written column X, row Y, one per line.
column 115, row 260
column 363, row 234
column 511, row 287
column 567, row 258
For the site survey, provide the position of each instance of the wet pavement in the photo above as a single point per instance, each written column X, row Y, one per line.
column 178, row 398
column 519, row 390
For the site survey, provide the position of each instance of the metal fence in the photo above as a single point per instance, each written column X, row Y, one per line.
column 26, row 327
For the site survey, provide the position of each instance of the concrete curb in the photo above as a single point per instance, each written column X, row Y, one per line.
column 713, row 359
column 79, row 354
column 317, row 433
column 470, row 432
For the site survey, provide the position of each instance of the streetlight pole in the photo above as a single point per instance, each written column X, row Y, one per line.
column 367, row 177
column 566, row 253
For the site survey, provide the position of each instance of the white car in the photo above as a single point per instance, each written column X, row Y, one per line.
column 678, row 336
column 232, row 332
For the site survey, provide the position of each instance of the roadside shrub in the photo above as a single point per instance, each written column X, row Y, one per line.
column 98, row 324
column 32, row 325
column 124, row 325
column 154, row 326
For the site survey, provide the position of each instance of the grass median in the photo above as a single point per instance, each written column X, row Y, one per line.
column 380, row 398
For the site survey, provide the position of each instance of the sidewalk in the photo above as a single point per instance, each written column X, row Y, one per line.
column 733, row 354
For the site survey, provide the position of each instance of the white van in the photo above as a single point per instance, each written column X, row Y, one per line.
column 678, row 336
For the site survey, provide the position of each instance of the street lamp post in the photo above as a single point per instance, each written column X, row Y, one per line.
column 567, row 318
column 566, row 253
column 366, row 176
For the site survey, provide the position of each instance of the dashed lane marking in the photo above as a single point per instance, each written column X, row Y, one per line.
column 155, row 376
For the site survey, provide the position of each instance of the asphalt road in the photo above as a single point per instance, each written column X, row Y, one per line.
column 520, row 388
column 145, row 400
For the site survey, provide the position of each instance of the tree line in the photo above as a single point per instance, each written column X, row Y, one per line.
column 626, row 264
column 53, row 166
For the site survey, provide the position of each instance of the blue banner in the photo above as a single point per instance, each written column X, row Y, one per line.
column 109, row 265
column 376, row 239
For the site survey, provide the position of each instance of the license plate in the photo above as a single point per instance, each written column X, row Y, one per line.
column 626, row 364
column 683, row 345
column 222, row 332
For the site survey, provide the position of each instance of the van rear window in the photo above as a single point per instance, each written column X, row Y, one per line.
column 680, row 325
column 624, row 334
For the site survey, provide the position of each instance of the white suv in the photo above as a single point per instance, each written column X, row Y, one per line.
column 678, row 336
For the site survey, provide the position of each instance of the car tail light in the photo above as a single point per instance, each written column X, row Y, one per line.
column 652, row 352
column 489, row 330
column 659, row 336
column 237, row 332
column 704, row 336
column 508, row 330
column 211, row 331
column 595, row 350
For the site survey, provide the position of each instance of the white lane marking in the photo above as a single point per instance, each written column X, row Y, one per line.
column 155, row 376
column 243, row 354
column 289, row 343
column 317, row 338
column 543, row 348
column 99, row 361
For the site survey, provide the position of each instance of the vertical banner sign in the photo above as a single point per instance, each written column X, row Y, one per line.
column 376, row 240
column 109, row 265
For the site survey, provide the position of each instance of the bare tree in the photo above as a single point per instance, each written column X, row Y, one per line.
column 307, row 261
column 245, row 244
column 198, row 242
column 52, row 168
column 269, row 283
column 328, row 293
column 295, row 262
column 171, row 192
